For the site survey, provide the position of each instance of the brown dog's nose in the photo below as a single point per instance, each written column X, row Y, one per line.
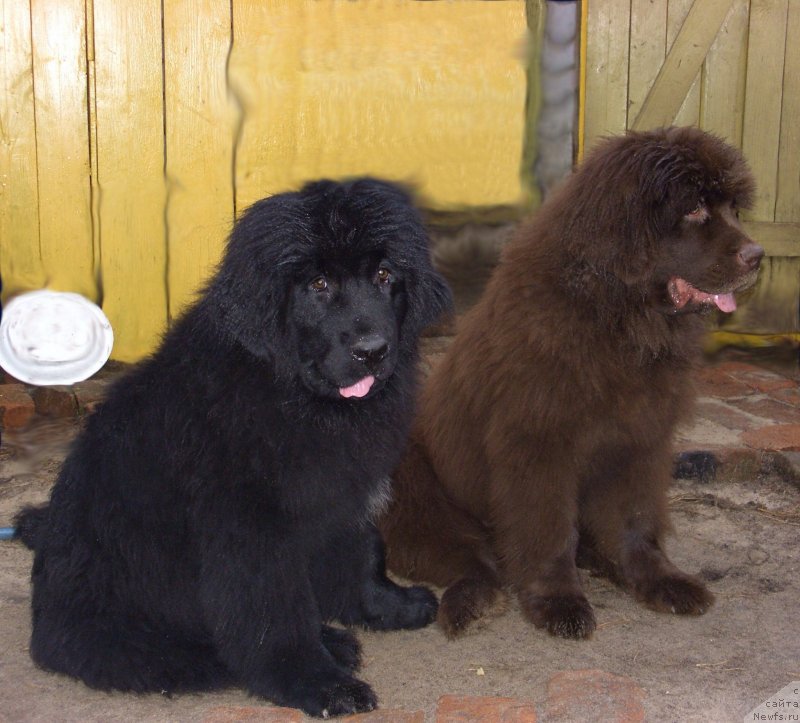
column 751, row 255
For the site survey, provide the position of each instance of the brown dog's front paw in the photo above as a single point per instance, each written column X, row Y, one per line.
column 679, row 594
column 464, row 602
column 566, row 616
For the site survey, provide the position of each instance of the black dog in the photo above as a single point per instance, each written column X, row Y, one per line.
column 217, row 510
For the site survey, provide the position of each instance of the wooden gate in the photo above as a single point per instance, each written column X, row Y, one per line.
column 728, row 66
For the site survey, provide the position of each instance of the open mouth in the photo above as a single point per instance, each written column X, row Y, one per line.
column 682, row 293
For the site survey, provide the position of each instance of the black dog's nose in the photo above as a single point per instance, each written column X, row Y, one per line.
column 370, row 349
column 751, row 255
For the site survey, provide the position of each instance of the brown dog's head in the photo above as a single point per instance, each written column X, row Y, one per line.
column 670, row 201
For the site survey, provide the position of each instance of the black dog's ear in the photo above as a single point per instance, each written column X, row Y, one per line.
column 429, row 301
column 248, row 296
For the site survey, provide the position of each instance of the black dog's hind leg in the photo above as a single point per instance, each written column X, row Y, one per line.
column 350, row 583
column 261, row 611
column 110, row 651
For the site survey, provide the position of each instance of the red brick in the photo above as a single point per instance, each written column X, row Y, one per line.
column 463, row 709
column 56, row 401
column 788, row 395
column 776, row 436
column 593, row 695
column 769, row 409
column 724, row 414
column 253, row 714
column 387, row 715
column 714, row 382
column 765, row 381
column 16, row 406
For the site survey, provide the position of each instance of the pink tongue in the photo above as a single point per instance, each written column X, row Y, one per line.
column 725, row 302
column 359, row 389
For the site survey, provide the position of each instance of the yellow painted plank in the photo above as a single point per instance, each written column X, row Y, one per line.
column 787, row 204
column 130, row 159
column 683, row 62
column 200, row 123
column 607, row 46
column 427, row 92
column 648, row 49
column 689, row 112
column 725, row 74
column 20, row 260
column 762, row 111
column 62, row 147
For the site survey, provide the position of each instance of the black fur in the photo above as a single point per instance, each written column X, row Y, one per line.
column 217, row 510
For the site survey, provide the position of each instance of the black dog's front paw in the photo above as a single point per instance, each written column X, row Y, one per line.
column 391, row 607
column 328, row 694
column 343, row 647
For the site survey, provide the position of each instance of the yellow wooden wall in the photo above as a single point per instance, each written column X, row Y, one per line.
column 134, row 132
column 731, row 67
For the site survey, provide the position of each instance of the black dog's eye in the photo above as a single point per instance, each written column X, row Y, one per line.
column 384, row 276
column 319, row 284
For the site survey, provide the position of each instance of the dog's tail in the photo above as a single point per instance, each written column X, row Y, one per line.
column 430, row 539
column 29, row 525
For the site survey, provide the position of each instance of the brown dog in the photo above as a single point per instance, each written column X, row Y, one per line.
column 549, row 421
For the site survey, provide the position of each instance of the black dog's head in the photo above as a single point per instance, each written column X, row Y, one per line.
column 331, row 284
column 671, row 199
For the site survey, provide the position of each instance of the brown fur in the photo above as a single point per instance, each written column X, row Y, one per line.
column 549, row 421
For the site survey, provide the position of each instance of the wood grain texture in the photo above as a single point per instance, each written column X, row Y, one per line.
column 679, row 72
column 62, row 149
column 723, row 90
column 20, row 256
column 762, row 112
column 648, row 50
column 787, row 202
column 688, row 114
column 432, row 93
column 607, row 67
column 201, row 121
column 130, row 164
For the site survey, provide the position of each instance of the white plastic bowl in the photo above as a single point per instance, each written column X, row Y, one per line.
column 53, row 337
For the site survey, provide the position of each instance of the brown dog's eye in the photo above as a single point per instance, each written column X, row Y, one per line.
column 319, row 284
column 384, row 276
column 699, row 214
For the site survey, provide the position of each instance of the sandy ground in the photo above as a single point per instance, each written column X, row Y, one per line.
column 742, row 538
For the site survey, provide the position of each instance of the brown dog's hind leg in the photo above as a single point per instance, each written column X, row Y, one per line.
column 430, row 539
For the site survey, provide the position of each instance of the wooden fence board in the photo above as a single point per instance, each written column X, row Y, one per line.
column 200, row 136
column 65, row 222
column 20, row 259
column 787, row 204
column 688, row 114
column 369, row 87
column 762, row 113
column 684, row 59
column 130, row 158
column 723, row 90
column 648, row 45
column 606, row 73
